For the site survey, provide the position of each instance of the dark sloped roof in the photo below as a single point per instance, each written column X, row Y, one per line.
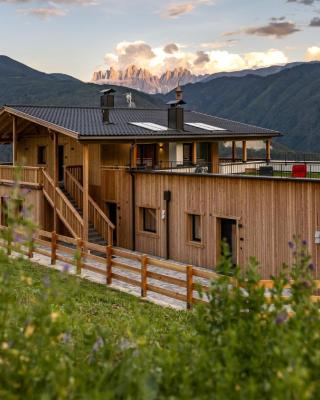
column 86, row 122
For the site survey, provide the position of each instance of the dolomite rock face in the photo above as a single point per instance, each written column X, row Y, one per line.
column 143, row 80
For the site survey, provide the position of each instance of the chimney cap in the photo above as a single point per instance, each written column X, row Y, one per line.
column 108, row 91
column 176, row 103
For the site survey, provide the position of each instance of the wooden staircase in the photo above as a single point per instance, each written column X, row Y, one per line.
column 69, row 205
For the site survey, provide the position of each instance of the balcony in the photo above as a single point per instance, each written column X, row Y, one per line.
column 31, row 176
column 260, row 168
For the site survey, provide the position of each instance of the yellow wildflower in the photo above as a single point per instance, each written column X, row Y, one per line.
column 29, row 331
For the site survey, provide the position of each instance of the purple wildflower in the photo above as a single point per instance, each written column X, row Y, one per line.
column 311, row 267
column 98, row 344
column 281, row 318
column 66, row 268
column 66, row 338
column 304, row 242
column 291, row 245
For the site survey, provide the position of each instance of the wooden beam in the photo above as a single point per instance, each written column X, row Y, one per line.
column 214, row 157
column 244, row 151
column 194, row 153
column 85, row 158
column 133, row 155
column 55, row 178
column 268, row 150
column 234, row 151
column 14, row 140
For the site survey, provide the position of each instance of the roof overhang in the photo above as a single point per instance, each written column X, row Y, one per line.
column 41, row 122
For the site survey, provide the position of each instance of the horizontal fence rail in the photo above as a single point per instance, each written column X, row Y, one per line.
column 31, row 175
column 149, row 274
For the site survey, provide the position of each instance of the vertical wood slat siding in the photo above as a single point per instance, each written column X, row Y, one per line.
column 270, row 211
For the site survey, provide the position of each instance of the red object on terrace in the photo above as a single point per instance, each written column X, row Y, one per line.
column 299, row 171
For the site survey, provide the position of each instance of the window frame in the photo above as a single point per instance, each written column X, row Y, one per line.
column 191, row 227
column 42, row 160
column 144, row 228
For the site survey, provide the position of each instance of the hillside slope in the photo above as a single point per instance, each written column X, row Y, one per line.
column 20, row 84
column 288, row 101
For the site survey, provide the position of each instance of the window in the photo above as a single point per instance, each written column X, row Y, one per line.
column 149, row 220
column 194, row 228
column 42, row 155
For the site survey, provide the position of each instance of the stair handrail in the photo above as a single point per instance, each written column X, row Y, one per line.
column 94, row 207
column 75, row 227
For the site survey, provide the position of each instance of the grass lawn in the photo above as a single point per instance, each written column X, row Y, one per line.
column 66, row 336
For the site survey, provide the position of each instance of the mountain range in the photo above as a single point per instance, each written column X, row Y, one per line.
column 143, row 80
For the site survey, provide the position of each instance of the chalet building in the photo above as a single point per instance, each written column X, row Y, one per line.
column 152, row 180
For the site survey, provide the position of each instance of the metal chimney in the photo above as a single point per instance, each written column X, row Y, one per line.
column 106, row 102
column 176, row 115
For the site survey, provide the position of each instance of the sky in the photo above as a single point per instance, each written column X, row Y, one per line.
column 78, row 37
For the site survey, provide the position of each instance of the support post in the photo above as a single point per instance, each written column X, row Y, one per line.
column 234, row 149
column 53, row 248
column 14, row 141
column 194, row 153
column 214, row 157
column 144, row 274
column 79, row 255
column 268, row 150
column 109, row 264
column 189, row 277
column 85, row 191
column 244, row 151
column 55, row 179
column 133, row 156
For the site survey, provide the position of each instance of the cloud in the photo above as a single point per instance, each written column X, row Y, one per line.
column 305, row 2
column 202, row 58
column 277, row 28
column 219, row 45
column 175, row 10
column 315, row 22
column 44, row 13
column 313, row 54
column 157, row 60
column 171, row 48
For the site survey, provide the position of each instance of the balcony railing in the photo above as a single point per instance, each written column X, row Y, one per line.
column 26, row 175
column 262, row 168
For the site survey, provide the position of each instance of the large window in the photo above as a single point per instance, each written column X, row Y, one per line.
column 42, row 155
column 149, row 220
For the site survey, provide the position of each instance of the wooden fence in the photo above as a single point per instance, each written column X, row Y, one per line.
column 111, row 262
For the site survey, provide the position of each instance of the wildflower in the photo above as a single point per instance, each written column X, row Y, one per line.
column 291, row 245
column 98, row 344
column 311, row 267
column 54, row 315
column 281, row 318
column 65, row 337
column 29, row 331
column 304, row 242
column 66, row 268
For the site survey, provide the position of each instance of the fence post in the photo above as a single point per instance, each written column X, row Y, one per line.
column 79, row 256
column 53, row 248
column 189, row 277
column 144, row 273
column 31, row 247
column 109, row 265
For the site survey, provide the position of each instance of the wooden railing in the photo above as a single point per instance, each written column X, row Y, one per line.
column 76, row 171
column 67, row 213
column 31, row 175
column 97, row 217
column 149, row 274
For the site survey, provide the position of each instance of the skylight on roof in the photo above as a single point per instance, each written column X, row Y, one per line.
column 206, row 127
column 150, row 125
